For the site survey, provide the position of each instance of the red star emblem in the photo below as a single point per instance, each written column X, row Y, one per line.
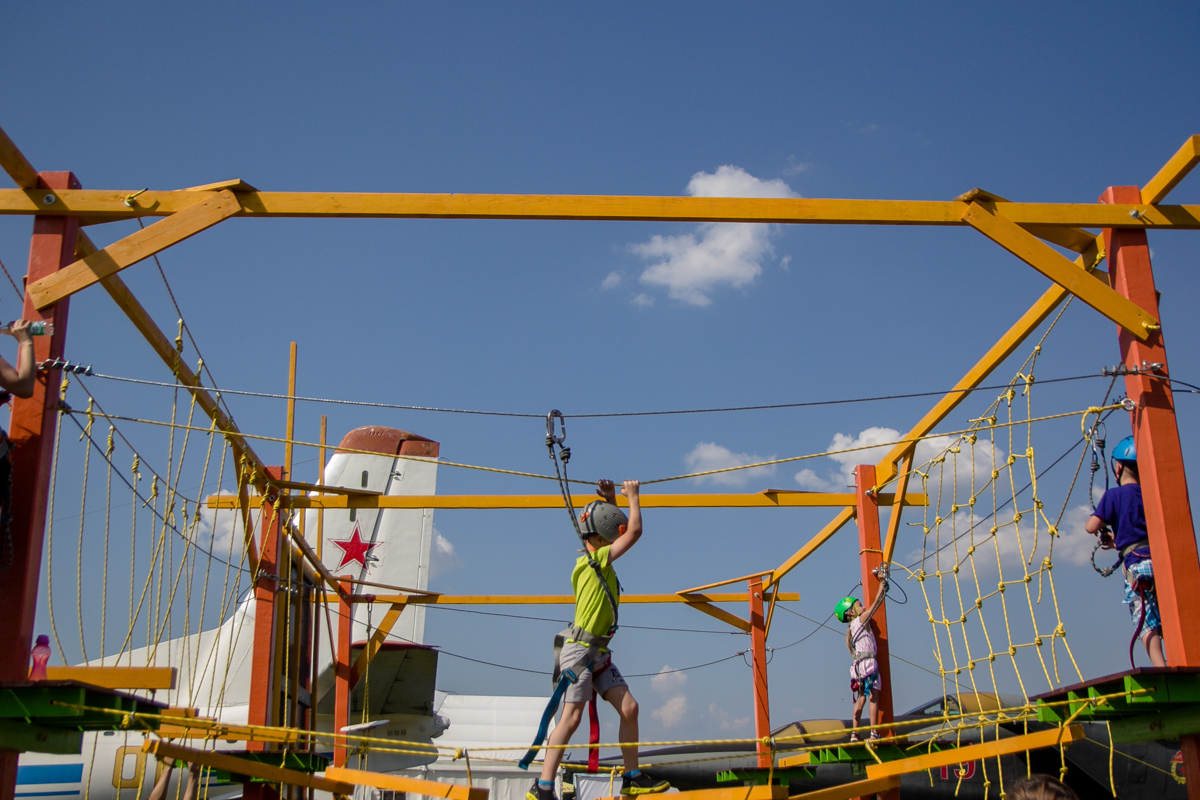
column 355, row 549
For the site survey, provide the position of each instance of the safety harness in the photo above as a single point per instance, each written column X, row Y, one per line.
column 565, row 675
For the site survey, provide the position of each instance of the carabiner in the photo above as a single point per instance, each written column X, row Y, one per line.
column 551, row 439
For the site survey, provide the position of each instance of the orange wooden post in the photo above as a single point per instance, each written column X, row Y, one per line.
column 31, row 430
column 264, row 703
column 758, row 649
column 341, row 704
column 870, row 556
column 1160, row 461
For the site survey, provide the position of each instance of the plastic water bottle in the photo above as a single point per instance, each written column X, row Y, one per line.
column 41, row 656
column 38, row 328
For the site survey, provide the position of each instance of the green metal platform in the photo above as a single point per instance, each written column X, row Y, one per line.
column 51, row 716
column 1139, row 705
column 755, row 776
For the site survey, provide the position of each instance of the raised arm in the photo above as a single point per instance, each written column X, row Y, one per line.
column 20, row 380
column 633, row 531
column 881, row 572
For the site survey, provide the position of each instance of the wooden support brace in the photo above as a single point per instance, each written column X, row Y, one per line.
column 243, row 766
column 974, row 752
column 721, row 614
column 889, row 545
column 1175, row 170
column 133, row 248
column 375, row 642
column 15, row 164
column 772, row 792
column 824, row 535
column 1049, row 262
column 398, row 783
column 116, row 677
column 865, row 788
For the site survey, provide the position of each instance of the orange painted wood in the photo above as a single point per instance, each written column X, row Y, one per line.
column 1160, row 462
column 32, row 427
column 342, row 673
column 758, row 649
column 871, row 556
column 263, row 691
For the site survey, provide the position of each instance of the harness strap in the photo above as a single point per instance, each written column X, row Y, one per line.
column 1129, row 548
column 568, row 677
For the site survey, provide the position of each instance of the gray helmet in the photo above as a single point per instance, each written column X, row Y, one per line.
column 603, row 519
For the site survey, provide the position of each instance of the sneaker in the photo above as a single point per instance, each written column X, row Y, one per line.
column 538, row 793
column 642, row 784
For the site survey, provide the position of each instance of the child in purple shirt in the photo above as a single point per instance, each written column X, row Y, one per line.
column 1120, row 519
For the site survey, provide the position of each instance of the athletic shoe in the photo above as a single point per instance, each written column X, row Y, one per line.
column 642, row 784
column 538, row 793
column 854, row 738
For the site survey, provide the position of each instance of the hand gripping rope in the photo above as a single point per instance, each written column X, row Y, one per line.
column 568, row 676
column 1098, row 465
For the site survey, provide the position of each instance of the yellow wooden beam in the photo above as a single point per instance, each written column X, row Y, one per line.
column 695, row 589
column 866, row 788
column 244, row 766
column 112, row 204
column 15, row 164
column 399, row 783
column 844, row 516
column 723, row 615
column 1175, row 170
column 1057, row 268
column 556, row 599
column 376, row 642
column 889, row 544
column 974, row 752
column 116, row 677
column 208, row 211
column 773, row 792
column 554, row 501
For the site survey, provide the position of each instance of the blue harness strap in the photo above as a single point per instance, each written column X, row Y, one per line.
column 568, row 677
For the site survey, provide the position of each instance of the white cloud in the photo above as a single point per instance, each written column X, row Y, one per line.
column 710, row 455
column 726, row 721
column 692, row 266
column 873, row 443
column 795, row 167
column 442, row 557
column 672, row 712
column 642, row 300
column 612, row 281
column 219, row 528
column 785, row 263
column 668, row 681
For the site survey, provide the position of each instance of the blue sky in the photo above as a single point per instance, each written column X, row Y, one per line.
column 1032, row 102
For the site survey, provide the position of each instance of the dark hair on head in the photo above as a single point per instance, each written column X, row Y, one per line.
column 1040, row 787
column 1131, row 466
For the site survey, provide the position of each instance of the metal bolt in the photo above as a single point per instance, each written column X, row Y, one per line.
column 1133, row 212
column 49, row 199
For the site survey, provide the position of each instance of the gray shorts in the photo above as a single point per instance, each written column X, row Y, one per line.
column 581, row 690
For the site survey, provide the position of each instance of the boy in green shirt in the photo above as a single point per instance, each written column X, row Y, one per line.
column 609, row 535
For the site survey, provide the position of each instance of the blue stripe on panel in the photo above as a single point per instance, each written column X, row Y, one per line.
column 50, row 773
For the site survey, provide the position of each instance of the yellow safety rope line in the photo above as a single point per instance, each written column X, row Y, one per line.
column 87, row 456
column 62, row 393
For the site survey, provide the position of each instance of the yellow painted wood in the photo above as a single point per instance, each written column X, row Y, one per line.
column 558, row 599
column 399, row 783
column 725, row 583
column 810, row 547
column 830, row 211
column 290, row 421
column 236, row 184
column 377, row 638
column 15, row 164
column 116, row 677
column 974, row 752
column 242, row 766
column 301, row 486
column 554, row 501
column 723, row 615
column 1057, row 268
column 865, row 788
column 205, row 213
column 773, row 792
column 1175, row 170
column 889, row 545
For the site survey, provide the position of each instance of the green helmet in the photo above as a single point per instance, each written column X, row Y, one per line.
column 844, row 605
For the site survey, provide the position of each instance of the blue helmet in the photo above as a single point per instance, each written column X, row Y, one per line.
column 1125, row 453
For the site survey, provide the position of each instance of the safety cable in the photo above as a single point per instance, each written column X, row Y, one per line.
column 521, row 415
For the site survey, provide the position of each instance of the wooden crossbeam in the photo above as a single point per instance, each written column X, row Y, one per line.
column 375, row 642
column 974, row 752
column 15, row 164
column 301, row 486
column 772, row 792
column 1175, row 170
column 865, row 788
column 85, row 203
column 1027, row 247
column 199, row 216
column 399, row 783
column 554, row 501
column 116, row 677
column 242, row 766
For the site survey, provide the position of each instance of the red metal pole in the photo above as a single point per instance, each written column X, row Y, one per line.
column 870, row 556
column 1160, row 461
column 341, row 705
column 32, row 427
column 263, row 694
column 758, row 649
